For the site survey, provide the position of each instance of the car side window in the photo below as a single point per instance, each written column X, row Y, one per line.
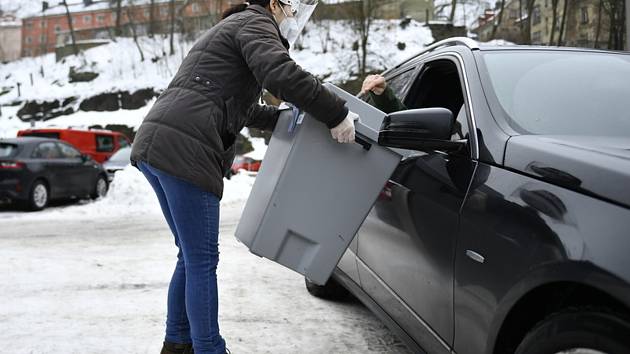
column 438, row 85
column 122, row 142
column 400, row 82
column 68, row 151
column 47, row 150
column 104, row 143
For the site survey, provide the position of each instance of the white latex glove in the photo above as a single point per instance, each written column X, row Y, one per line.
column 344, row 132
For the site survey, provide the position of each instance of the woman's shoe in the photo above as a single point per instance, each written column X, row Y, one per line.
column 175, row 348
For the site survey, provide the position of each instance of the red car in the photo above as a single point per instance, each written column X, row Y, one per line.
column 97, row 143
column 245, row 163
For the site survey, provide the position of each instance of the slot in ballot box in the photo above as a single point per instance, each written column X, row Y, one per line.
column 312, row 193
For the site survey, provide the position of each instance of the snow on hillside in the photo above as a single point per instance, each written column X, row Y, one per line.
column 119, row 67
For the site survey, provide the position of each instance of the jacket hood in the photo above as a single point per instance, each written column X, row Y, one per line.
column 261, row 10
column 599, row 166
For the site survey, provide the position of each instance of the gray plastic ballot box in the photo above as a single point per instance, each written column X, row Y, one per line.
column 312, row 193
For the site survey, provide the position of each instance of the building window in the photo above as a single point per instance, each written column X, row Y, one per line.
column 536, row 15
column 195, row 8
column 57, row 28
column 100, row 18
column 42, row 24
column 113, row 16
column 164, row 11
column 29, row 40
column 584, row 15
column 147, row 13
column 87, row 19
column 42, row 38
column 29, row 24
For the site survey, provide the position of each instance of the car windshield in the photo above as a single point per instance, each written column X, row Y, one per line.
column 564, row 93
column 122, row 155
column 7, row 150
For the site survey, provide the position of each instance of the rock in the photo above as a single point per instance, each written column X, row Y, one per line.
column 81, row 76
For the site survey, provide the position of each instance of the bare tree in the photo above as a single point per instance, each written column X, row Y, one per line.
column 172, row 21
column 554, row 19
column 451, row 17
column 132, row 25
column 75, row 49
column 361, row 15
column 498, row 20
column 563, row 23
column 118, row 29
column 527, row 29
column 615, row 9
column 627, row 19
column 152, row 19
column 598, row 28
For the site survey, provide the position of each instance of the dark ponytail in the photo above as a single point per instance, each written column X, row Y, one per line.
column 241, row 7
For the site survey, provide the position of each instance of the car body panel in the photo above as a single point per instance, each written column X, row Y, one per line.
column 598, row 166
column 523, row 228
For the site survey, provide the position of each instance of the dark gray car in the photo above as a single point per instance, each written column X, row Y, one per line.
column 34, row 171
column 511, row 234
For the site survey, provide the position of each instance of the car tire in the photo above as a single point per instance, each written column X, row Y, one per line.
column 101, row 187
column 578, row 331
column 39, row 196
column 332, row 290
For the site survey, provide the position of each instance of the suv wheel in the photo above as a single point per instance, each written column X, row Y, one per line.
column 38, row 197
column 332, row 290
column 100, row 188
column 581, row 331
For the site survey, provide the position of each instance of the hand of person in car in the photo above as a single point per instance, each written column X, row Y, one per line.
column 344, row 132
column 374, row 83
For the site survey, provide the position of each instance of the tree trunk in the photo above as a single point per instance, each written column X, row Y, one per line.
column 453, row 8
column 598, row 29
column 75, row 49
column 627, row 19
column 554, row 19
column 132, row 25
column 563, row 22
column 118, row 30
column 172, row 12
column 528, row 24
column 497, row 23
column 152, row 19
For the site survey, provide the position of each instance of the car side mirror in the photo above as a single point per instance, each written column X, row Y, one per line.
column 85, row 157
column 421, row 129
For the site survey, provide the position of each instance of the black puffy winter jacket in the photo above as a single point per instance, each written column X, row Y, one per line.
column 190, row 130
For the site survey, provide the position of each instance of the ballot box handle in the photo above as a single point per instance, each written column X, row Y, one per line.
column 363, row 141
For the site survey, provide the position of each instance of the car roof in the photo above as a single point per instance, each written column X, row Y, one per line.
column 27, row 140
column 525, row 48
column 472, row 45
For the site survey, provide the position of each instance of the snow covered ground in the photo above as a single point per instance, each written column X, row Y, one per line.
column 98, row 284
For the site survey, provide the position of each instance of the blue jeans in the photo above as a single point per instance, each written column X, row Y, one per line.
column 193, row 217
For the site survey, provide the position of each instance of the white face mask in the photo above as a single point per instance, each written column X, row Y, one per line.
column 289, row 27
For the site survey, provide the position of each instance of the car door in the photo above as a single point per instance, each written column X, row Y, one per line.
column 78, row 173
column 406, row 244
column 48, row 155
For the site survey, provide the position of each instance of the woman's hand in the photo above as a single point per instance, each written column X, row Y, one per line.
column 374, row 83
column 344, row 132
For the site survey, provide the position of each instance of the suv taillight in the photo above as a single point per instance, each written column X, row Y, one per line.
column 11, row 165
